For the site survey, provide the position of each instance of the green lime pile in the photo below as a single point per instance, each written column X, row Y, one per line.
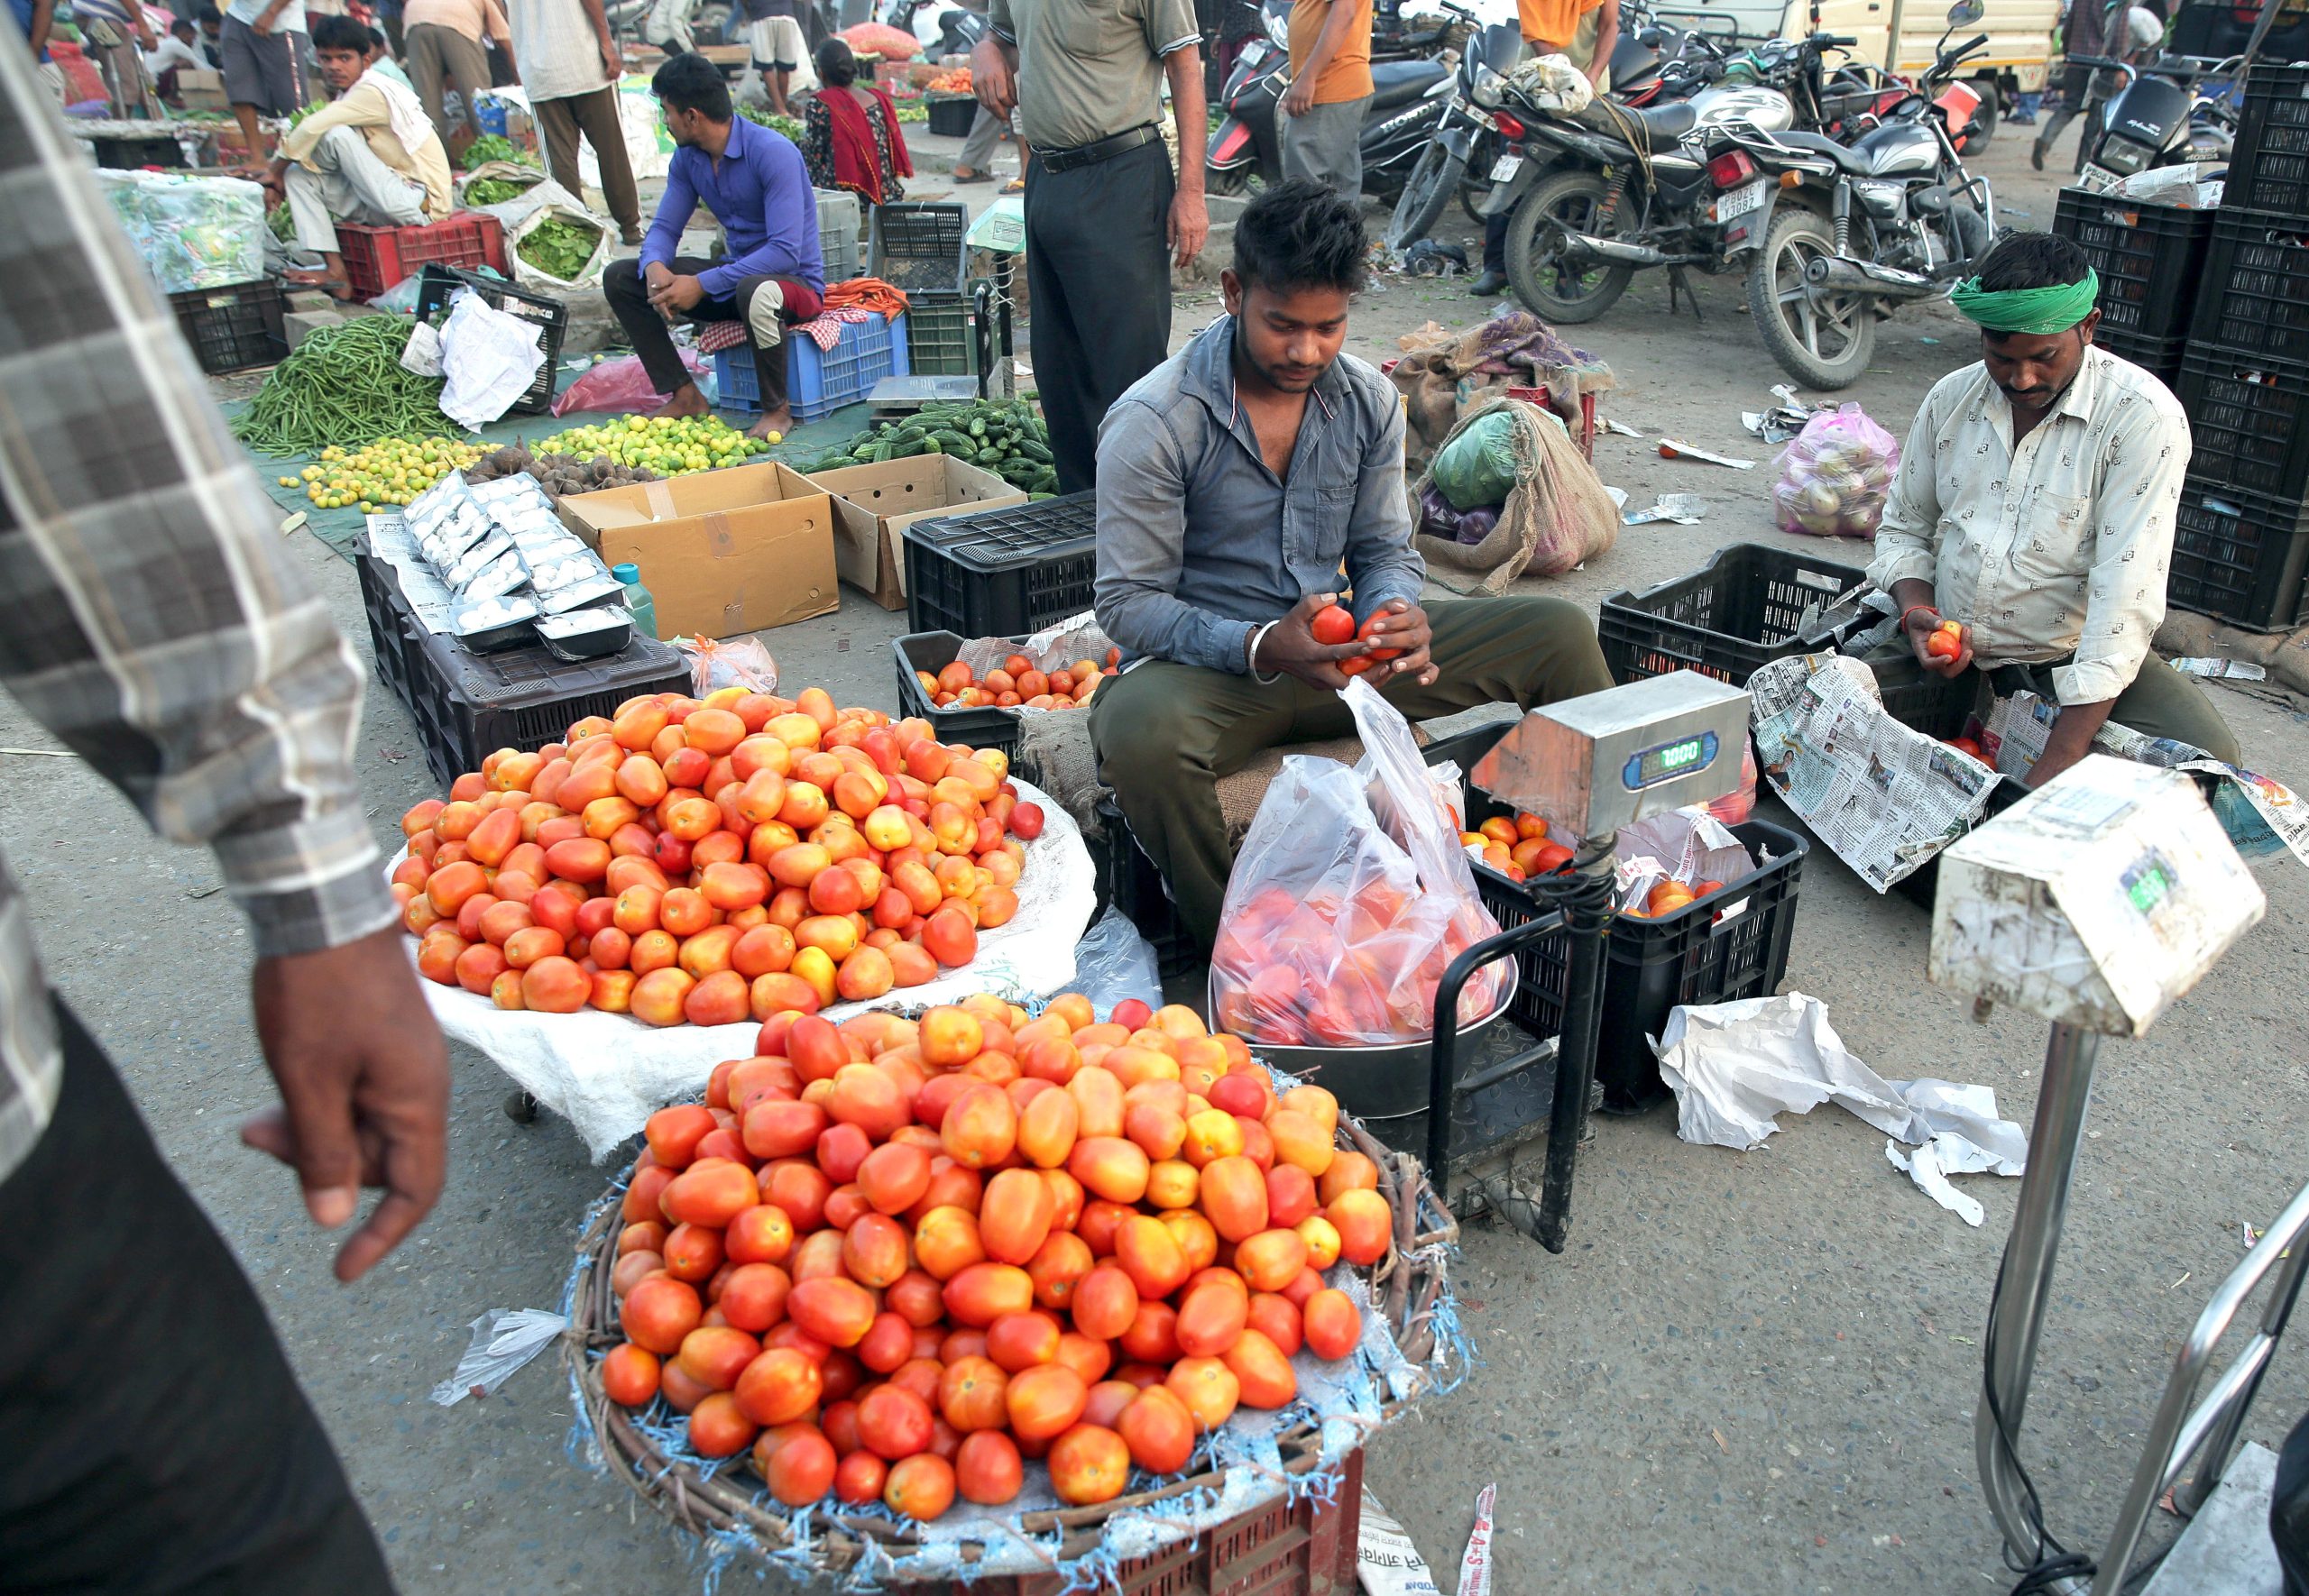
column 669, row 447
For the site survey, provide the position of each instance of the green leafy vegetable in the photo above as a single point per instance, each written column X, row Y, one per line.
column 496, row 190
column 791, row 126
column 495, row 147
column 559, row 246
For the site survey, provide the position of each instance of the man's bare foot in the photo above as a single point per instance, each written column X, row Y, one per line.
column 779, row 421
column 336, row 287
column 687, row 401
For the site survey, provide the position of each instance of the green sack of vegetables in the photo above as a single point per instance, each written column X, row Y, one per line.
column 1478, row 467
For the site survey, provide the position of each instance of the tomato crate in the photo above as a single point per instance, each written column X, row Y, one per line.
column 2269, row 169
column 984, row 726
column 378, row 258
column 1307, row 1547
column 2239, row 556
column 131, row 152
column 2256, row 293
column 838, row 226
column 950, row 115
column 390, row 624
column 920, row 248
column 942, row 336
column 1002, row 573
column 235, row 328
column 1743, row 609
column 2149, row 257
column 437, row 283
column 468, row 705
column 818, row 381
column 2249, row 420
column 2159, row 357
column 1136, row 889
column 1730, row 945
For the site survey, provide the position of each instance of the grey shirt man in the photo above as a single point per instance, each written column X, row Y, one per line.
column 1188, row 566
column 1090, row 68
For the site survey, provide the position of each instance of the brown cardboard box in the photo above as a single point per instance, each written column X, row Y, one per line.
column 873, row 505
column 736, row 550
column 201, row 89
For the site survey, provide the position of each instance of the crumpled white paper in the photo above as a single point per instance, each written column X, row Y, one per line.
column 608, row 1073
column 489, row 359
column 503, row 1340
column 1732, row 1066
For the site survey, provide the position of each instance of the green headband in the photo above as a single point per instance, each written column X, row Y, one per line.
column 2054, row 310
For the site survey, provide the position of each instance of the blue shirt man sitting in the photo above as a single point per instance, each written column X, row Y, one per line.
column 1244, row 485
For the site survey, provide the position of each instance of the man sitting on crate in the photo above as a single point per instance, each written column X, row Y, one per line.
column 757, row 185
column 1236, row 482
column 369, row 157
column 2033, row 510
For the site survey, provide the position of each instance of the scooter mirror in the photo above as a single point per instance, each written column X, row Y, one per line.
column 1965, row 12
column 1650, row 38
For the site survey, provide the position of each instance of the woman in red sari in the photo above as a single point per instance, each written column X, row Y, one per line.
column 852, row 138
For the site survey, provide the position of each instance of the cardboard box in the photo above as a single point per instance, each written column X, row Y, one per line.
column 736, row 550
column 873, row 505
column 201, row 89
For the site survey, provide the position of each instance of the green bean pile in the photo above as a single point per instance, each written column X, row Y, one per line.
column 344, row 385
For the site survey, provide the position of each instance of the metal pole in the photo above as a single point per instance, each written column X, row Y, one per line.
column 2024, row 1280
column 1587, row 905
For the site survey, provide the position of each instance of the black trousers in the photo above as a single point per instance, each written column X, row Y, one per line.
column 653, row 340
column 152, row 1435
column 1098, row 275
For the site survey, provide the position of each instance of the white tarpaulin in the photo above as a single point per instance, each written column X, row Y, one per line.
column 607, row 1073
column 1732, row 1066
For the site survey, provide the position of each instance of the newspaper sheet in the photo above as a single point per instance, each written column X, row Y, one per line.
column 2261, row 815
column 1885, row 799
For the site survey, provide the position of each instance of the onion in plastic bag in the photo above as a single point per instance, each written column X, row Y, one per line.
column 1835, row 475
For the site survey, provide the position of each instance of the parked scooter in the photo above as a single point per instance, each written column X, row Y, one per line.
column 2160, row 117
column 944, row 29
column 1835, row 236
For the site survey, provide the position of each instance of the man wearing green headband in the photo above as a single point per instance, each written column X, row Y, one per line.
column 2033, row 510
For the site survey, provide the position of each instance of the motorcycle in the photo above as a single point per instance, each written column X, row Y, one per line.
column 2161, row 117
column 1596, row 197
column 1834, row 236
column 1406, row 105
column 943, row 29
column 1470, row 114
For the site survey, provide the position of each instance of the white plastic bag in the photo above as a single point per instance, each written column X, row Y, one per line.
column 503, row 1340
column 489, row 359
column 1350, row 899
column 1835, row 475
column 741, row 662
column 1113, row 962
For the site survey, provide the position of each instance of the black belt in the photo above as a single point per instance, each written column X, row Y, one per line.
column 1106, row 149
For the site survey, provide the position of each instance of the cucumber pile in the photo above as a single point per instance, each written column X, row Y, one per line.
column 1007, row 438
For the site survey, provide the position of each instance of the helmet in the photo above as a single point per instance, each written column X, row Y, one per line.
column 2144, row 29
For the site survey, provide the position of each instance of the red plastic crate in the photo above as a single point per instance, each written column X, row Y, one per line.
column 1308, row 1549
column 376, row 258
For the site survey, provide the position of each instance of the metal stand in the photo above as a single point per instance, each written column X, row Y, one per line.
column 1586, row 915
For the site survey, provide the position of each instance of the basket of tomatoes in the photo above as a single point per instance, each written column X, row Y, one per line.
column 972, row 1291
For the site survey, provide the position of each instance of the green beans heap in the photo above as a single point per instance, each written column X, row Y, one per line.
column 344, row 385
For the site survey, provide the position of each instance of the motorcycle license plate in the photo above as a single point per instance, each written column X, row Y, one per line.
column 1741, row 201
column 1505, row 167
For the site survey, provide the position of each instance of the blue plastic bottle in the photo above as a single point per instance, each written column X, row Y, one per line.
column 637, row 600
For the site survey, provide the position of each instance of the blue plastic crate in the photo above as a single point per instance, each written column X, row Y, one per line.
column 818, row 381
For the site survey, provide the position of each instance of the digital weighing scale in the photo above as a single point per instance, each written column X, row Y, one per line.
column 2096, row 903
column 1587, row 766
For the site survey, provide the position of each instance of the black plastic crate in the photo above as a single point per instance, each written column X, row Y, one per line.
column 232, row 328
column 437, row 283
column 940, row 339
column 2248, row 417
column 1937, row 706
column 1134, row 887
column 141, row 149
column 2268, row 170
column 2159, row 357
column 2256, row 293
column 1729, row 945
column 469, row 705
column 390, row 624
column 1740, row 610
column 1002, row 573
column 981, row 727
column 2240, row 557
column 921, row 248
column 2149, row 257
column 950, row 115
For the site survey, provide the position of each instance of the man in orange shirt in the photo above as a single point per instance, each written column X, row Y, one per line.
column 1330, row 89
column 1584, row 30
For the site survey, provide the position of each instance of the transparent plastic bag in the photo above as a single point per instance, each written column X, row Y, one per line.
column 741, row 662
column 1350, row 899
column 193, row 231
column 503, row 1340
column 1835, row 475
column 1113, row 962
column 1738, row 804
column 622, row 385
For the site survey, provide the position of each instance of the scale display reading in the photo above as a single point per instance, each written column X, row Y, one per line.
column 1667, row 761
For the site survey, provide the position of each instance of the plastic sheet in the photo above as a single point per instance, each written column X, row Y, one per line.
column 489, row 359
column 503, row 1340
column 1834, row 479
column 622, row 385
column 194, row 232
column 1350, row 897
column 1114, row 962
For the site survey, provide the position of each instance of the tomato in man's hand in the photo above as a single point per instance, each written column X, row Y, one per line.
column 1357, row 665
column 1332, row 626
column 1947, row 642
column 1370, row 631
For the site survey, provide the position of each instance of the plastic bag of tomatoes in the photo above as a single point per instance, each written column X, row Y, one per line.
column 975, row 1257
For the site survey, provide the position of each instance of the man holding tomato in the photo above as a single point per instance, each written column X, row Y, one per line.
column 1237, row 483
column 2031, row 525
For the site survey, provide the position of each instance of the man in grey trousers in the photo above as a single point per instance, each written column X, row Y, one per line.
column 1106, row 219
column 1330, row 89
